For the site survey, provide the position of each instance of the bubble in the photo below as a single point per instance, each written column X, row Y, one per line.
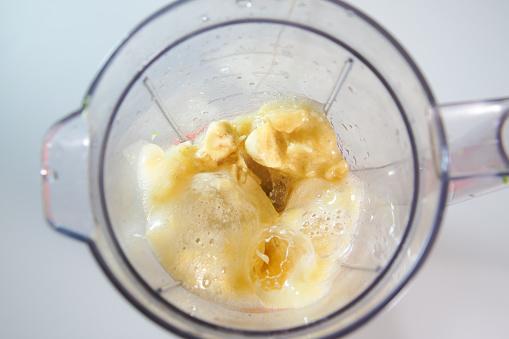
column 205, row 283
column 339, row 229
column 49, row 176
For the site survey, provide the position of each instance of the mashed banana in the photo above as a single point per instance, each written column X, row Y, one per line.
column 259, row 213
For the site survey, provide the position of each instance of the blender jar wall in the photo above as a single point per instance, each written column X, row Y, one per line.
column 195, row 88
column 402, row 104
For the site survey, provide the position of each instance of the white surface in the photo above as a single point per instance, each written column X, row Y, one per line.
column 50, row 285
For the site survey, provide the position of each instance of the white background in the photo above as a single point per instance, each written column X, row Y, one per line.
column 50, row 285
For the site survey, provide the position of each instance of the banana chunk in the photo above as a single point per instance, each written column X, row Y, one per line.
column 287, row 120
column 221, row 140
column 266, row 146
column 298, row 140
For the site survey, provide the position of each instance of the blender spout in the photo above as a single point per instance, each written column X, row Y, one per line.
column 64, row 174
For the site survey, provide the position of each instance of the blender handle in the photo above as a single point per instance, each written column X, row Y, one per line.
column 64, row 175
column 477, row 135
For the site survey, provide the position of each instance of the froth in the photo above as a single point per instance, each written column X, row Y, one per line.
column 327, row 213
column 247, row 226
column 211, row 223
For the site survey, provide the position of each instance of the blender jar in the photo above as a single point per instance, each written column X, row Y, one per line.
column 195, row 62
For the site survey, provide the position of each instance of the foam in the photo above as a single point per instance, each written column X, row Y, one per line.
column 241, row 234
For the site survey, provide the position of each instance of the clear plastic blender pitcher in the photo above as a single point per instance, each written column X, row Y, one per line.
column 195, row 62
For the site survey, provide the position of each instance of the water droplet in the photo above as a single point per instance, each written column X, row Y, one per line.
column 49, row 176
column 378, row 250
column 204, row 18
column 244, row 3
column 287, row 53
column 94, row 142
column 339, row 229
column 205, row 283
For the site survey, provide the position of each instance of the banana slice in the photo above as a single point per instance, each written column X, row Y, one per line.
column 266, row 146
column 221, row 140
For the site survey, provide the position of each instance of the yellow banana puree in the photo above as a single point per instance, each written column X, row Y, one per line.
column 258, row 212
